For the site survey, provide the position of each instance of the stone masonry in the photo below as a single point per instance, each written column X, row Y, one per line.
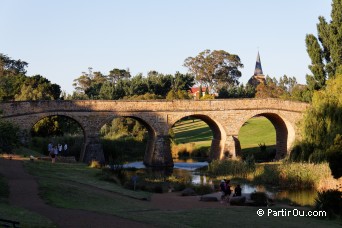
column 224, row 117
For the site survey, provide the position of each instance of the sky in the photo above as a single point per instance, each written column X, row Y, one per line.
column 61, row 39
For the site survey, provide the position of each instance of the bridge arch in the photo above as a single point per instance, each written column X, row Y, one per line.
column 219, row 134
column 285, row 131
column 36, row 118
column 150, row 130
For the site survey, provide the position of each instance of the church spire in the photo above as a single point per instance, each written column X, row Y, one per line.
column 258, row 76
column 258, row 68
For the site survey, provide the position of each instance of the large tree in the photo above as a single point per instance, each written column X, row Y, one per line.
column 116, row 74
column 215, row 68
column 326, row 50
column 12, row 67
column 38, row 88
column 15, row 85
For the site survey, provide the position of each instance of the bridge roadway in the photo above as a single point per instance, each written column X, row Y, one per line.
column 224, row 117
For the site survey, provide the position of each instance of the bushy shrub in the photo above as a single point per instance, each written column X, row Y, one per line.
column 259, row 198
column 263, row 154
column 115, row 173
column 293, row 175
column 269, row 174
column 202, row 189
column 8, row 136
column 329, row 201
column 334, row 155
column 126, row 149
column 158, row 189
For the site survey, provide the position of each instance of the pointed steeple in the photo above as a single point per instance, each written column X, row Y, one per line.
column 258, row 68
column 258, row 76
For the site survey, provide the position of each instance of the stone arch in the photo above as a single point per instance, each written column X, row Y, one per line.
column 34, row 119
column 219, row 134
column 39, row 117
column 154, row 154
column 285, row 131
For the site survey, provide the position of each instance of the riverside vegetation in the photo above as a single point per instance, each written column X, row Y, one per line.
column 67, row 185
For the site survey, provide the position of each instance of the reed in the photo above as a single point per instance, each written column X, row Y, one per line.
column 231, row 167
column 293, row 175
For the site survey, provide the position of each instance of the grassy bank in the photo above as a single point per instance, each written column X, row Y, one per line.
column 283, row 175
column 68, row 185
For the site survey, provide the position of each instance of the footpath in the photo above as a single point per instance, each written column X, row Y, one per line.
column 24, row 193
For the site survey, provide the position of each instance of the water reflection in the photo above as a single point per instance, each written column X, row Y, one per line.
column 187, row 169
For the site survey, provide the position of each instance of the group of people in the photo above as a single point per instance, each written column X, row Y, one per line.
column 54, row 150
column 226, row 190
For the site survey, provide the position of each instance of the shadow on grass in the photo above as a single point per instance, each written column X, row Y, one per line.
column 259, row 155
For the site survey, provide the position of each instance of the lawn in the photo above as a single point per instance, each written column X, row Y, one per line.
column 254, row 132
column 193, row 131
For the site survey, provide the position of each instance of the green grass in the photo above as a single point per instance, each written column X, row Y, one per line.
column 61, row 188
column 78, row 173
column 196, row 131
column 255, row 131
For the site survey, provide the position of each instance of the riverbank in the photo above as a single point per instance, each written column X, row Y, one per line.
column 75, row 193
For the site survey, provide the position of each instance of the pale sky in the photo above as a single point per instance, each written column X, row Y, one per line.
column 61, row 39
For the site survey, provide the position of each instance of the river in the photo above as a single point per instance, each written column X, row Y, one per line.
column 187, row 169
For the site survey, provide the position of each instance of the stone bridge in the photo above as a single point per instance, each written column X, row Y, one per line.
column 224, row 117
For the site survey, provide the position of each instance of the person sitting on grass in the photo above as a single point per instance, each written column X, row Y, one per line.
column 237, row 191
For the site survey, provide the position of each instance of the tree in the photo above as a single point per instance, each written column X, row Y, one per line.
column 8, row 136
column 116, row 74
column 178, row 95
column 215, row 68
column 158, row 84
column 10, row 67
column 240, row 91
column 270, row 89
column 322, row 127
column 88, row 85
column 38, row 88
column 111, row 91
column 326, row 51
column 182, row 82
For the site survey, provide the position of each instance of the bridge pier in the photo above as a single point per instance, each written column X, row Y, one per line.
column 92, row 150
column 223, row 148
column 232, row 146
column 158, row 152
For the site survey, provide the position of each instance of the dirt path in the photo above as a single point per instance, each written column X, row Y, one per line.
column 24, row 193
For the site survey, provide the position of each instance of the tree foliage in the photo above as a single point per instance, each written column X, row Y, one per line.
column 323, row 120
column 240, row 91
column 322, row 128
column 38, row 88
column 215, row 68
column 285, row 88
column 15, row 85
column 56, row 126
column 11, row 67
column 8, row 136
column 120, row 85
column 326, row 50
